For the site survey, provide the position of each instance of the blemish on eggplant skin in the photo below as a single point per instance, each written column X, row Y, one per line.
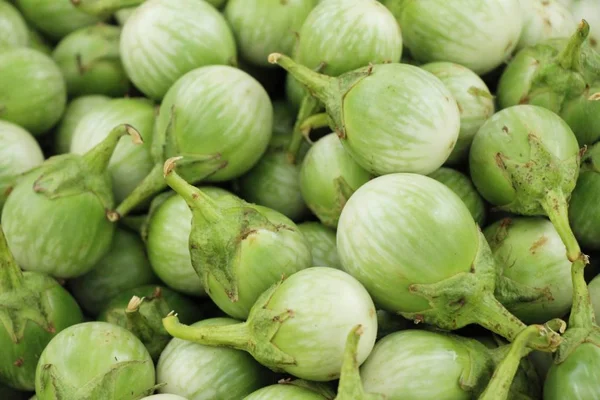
column 538, row 244
column 19, row 362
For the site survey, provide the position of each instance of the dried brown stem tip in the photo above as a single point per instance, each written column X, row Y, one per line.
column 274, row 58
column 170, row 165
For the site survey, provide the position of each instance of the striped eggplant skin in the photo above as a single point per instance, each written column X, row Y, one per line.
column 75, row 112
column 535, row 275
column 404, row 365
column 274, row 182
column 343, row 35
column 594, row 288
column 475, row 103
column 543, row 20
column 400, row 118
column 322, row 241
column 13, row 28
column 584, row 210
column 326, row 303
column 577, row 377
column 328, row 177
column 285, row 391
column 64, row 236
column 130, row 163
column 32, row 90
column 19, row 152
column 590, row 11
column 54, row 18
column 285, row 248
column 90, row 62
column 479, row 34
column 167, row 236
column 464, row 188
column 163, row 40
column 121, row 367
column 262, row 27
column 125, row 266
column 521, row 134
column 18, row 360
column 217, row 109
column 394, row 232
column 199, row 372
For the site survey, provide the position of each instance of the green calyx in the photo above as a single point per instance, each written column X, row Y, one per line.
column 542, row 185
column 218, row 232
column 19, row 303
column 330, row 91
column 468, row 298
column 143, row 317
column 351, row 387
column 70, row 175
column 254, row 336
column 500, row 385
column 104, row 8
column 53, row 386
column 192, row 167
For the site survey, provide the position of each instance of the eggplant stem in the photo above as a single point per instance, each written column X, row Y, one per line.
column 556, row 207
column 235, row 336
column 99, row 156
column 150, row 185
column 308, row 107
column 350, row 386
column 570, row 57
column 194, row 197
column 316, row 83
column 315, row 121
column 499, row 386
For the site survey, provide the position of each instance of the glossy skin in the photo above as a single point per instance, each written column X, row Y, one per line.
column 463, row 187
column 125, row 266
column 413, row 128
column 543, row 20
column 288, row 392
column 18, row 361
column 348, row 34
column 414, row 364
column 577, row 377
column 110, row 347
column 90, row 62
column 530, row 253
column 76, row 110
column 201, row 35
column 329, row 175
column 80, row 219
column 130, row 162
column 168, row 235
column 54, row 18
column 274, row 182
column 322, row 243
column 477, row 34
column 316, row 335
column 200, row 372
column 32, row 90
column 13, row 28
column 493, row 138
column 474, row 108
column 19, row 152
column 393, row 233
column 218, row 109
column 262, row 27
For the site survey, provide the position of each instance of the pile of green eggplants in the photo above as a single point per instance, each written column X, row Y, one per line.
column 299, row 199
